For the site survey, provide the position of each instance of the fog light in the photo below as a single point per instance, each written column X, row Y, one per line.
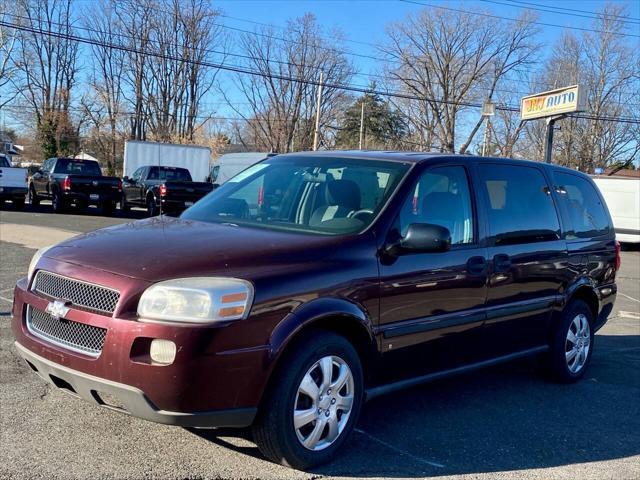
column 163, row 351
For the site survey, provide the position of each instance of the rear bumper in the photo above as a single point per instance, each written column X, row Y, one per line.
column 12, row 192
column 127, row 399
column 606, row 297
column 176, row 205
column 77, row 197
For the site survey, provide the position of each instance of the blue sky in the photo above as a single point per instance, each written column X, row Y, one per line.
column 365, row 20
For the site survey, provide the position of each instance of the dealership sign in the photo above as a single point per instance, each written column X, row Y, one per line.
column 551, row 103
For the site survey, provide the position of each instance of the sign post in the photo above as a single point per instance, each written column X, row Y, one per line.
column 552, row 105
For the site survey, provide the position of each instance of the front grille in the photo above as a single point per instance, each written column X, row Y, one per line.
column 75, row 336
column 83, row 295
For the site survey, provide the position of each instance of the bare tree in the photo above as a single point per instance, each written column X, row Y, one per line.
column 47, row 68
column 282, row 96
column 104, row 105
column 8, row 43
column 448, row 60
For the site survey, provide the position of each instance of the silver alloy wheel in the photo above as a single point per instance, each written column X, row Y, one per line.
column 578, row 343
column 323, row 403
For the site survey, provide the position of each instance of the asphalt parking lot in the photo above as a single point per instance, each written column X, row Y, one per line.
column 505, row 422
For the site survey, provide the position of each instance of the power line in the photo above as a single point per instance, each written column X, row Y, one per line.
column 135, row 40
column 603, row 14
column 544, row 24
column 247, row 71
column 544, row 8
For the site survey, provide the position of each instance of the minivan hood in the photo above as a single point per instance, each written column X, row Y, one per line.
column 161, row 248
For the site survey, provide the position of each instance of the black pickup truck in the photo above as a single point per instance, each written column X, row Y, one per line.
column 70, row 181
column 162, row 189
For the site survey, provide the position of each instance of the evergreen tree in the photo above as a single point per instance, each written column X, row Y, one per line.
column 383, row 125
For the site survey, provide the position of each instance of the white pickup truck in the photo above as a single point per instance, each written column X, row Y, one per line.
column 13, row 183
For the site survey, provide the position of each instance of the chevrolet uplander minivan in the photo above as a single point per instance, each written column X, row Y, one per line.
column 311, row 282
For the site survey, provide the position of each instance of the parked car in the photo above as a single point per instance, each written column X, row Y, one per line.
column 623, row 200
column 70, row 181
column 311, row 282
column 13, row 183
column 166, row 189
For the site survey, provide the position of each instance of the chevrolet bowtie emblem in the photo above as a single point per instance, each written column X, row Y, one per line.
column 58, row 309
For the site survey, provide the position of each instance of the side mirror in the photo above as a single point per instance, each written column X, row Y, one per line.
column 422, row 238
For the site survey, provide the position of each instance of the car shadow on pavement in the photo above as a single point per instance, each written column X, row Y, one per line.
column 501, row 419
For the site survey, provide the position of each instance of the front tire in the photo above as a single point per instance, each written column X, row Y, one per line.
column 572, row 344
column 314, row 403
column 124, row 206
column 34, row 200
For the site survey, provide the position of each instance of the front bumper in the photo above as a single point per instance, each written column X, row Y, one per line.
column 127, row 399
column 218, row 373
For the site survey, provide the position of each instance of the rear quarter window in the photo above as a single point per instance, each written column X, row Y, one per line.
column 520, row 206
column 586, row 214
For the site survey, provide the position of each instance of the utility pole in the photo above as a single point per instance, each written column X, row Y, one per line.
column 487, row 127
column 316, row 133
column 361, row 124
column 488, row 110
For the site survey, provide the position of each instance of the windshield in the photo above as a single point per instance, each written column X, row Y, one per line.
column 80, row 167
column 324, row 195
column 169, row 173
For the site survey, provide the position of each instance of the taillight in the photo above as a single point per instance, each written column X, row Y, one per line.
column 66, row 183
column 618, row 258
column 119, row 185
column 163, row 190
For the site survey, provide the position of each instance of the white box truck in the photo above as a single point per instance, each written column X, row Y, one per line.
column 230, row 164
column 192, row 157
column 623, row 200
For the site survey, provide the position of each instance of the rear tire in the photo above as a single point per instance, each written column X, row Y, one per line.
column 57, row 203
column 302, row 423
column 152, row 207
column 34, row 200
column 18, row 203
column 572, row 344
column 107, row 208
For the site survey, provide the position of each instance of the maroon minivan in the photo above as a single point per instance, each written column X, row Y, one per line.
column 311, row 282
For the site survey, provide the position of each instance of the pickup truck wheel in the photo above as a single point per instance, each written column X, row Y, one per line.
column 107, row 208
column 18, row 203
column 152, row 207
column 572, row 344
column 57, row 203
column 124, row 206
column 314, row 404
column 34, row 200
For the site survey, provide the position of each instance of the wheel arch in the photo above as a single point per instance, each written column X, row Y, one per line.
column 335, row 315
column 584, row 290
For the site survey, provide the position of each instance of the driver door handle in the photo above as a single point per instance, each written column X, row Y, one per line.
column 501, row 263
column 477, row 265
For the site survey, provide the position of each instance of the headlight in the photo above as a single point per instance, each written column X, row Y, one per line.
column 197, row 300
column 35, row 259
